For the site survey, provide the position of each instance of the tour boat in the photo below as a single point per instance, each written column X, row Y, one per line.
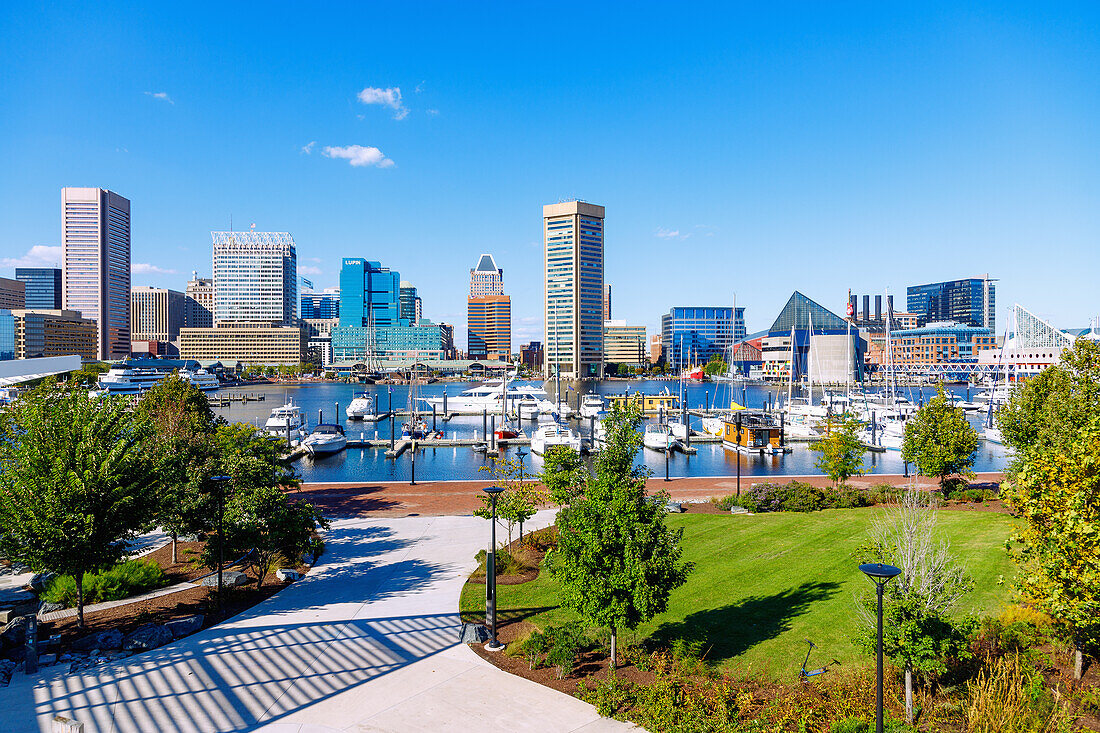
column 325, row 440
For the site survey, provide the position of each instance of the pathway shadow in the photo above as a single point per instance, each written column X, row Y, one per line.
column 733, row 629
column 348, row 501
column 509, row 616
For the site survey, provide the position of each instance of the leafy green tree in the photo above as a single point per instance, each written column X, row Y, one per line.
column 918, row 634
column 181, row 450
column 265, row 526
column 939, row 440
column 715, row 366
column 616, row 560
column 1057, row 494
column 623, row 370
column 75, row 484
column 840, row 452
column 563, row 474
column 521, row 497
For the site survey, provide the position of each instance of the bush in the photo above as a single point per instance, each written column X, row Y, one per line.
column 563, row 644
column 1011, row 696
column 725, row 503
column 534, row 648
column 127, row 578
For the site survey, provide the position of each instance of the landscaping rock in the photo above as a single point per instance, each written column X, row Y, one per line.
column 183, row 626
column 14, row 632
column 39, row 580
column 230, row 578
column 111, row 639
column 473, row 634
column 287, row 574
column 739, row 510
column 7, row 667
column 47, row 607
column 45, row 660
column 15, row 602
column 146, row 638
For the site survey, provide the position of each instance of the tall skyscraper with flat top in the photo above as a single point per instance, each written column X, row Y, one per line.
column 95, row 264
column 255, row 278
column 488, row 313
column 573, row 238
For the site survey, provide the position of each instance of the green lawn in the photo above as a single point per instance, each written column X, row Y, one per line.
column 764, row 583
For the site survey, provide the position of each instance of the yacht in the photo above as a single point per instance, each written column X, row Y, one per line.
column 325, row 440
column 658, row 437
column 889, row 434
column 592, row 405
column 525, row 400
column 287, row 421
column 678, row 428
column 552, row 433
column 363, row 407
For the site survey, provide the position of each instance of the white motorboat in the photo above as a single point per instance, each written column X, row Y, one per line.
column 658, row 436
column 714, row 425
column 491, row 397
column 888, row 434
column 592, row 405
column 992, row 433
column 363, row 407
column 287, row 421
column 552, row 433
column 678, row 428
column 325, row 440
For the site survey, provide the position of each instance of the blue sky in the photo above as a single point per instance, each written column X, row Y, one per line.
column 737, row 148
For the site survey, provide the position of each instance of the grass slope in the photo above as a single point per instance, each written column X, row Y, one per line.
column 764, row 583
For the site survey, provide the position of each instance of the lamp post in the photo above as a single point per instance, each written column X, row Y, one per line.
column 220, row 483
column 881, row 575
column 491, row 575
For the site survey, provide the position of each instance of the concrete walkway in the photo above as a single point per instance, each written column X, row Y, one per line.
column 366, row 642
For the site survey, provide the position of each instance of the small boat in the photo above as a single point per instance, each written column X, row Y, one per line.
column 658, row 437
column 363, row 407
column 553, row 433
column 592, row 405
column 325, row 440
column 287, row 420
column 678, row 428
column 507, row 432
column 992, row 433
column 415, row 429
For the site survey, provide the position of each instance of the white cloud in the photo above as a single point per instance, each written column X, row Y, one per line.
column 309, row 270
column 420, row 87
column 40, row 255
column 359, row 155
column 315, row 259
column 308, row 147
column 390, row 97
column 663, row 233
column 433, row 112
column 144, row 268
column 162, row 96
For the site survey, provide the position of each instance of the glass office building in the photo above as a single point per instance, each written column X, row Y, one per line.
column 325, row 304
column 43, row 287
column 692, row 335
column 255, row 278
column 971, row 301
column 7, row 335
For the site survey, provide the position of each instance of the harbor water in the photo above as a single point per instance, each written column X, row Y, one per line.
column 329, row 400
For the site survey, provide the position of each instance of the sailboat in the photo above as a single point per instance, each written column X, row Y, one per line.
column 415, row 428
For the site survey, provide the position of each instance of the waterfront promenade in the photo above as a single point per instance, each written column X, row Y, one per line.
column 367, row 641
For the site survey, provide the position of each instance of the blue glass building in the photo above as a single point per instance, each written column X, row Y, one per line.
column 7, row 335
column 370, row 292
column 43, row 287
column 971, row 301
column 321, row 305
column 693, row 335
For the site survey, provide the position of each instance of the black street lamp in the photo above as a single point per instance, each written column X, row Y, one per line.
column 491, row 575
column 220, row 483
column 881, row 575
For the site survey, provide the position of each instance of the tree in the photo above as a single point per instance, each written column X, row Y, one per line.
column 563, row 474
column 715, row 366
column 75, row 485
column 840, row 451
column 616, row 560
column 519, row 501
column 918, row 635
column 180, row 449
column 939, row 440
column 265, row 526
column 1057, row 494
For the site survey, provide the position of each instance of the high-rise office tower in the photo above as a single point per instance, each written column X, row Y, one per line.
column 488, row 313
column 255, row 278
column 199, row 310
column 573, row 236
column 95, row 264
column 13, row 293
column 325, row 304
column 607, row 302
column 411, row 305
column 971, row 301
column 157, row 314
column 42, row 286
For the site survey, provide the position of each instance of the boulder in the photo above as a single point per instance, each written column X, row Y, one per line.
column 38, row 581
column 184, row 626
column 111, row 639
column 146, row 638
column 739, row 510
column 47, row 607
column 45, row 660
column 16, row 602
column 287, row 574
column 14, row 633
column 473, row 634
column 230, row 578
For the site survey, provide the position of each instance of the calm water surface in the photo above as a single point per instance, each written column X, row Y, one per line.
column 357, row 464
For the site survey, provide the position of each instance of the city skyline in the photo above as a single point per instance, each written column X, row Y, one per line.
column 875, row 151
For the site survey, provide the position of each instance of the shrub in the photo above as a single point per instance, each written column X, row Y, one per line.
column 534, row 648
column 725, row 503
column 564, row 643
column 127, row 578
column 1010, row 696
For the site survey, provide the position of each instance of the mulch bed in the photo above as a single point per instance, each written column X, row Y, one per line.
column 181, row 604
